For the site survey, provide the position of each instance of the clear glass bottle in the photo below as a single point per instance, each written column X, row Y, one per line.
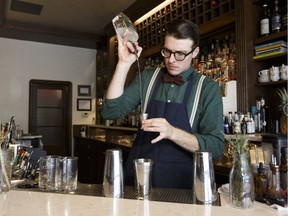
column 275, row 194
column 122, row 25
column 261, row 184
column 5, row 171
column 241, row 182
column 265, row 22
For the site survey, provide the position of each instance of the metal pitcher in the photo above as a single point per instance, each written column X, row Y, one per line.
column 204, row 187
column 113, row 185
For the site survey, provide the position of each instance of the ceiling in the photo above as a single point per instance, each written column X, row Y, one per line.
column 87, row 16
column 85, row 20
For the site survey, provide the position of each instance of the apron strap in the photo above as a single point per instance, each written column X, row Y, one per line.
column 196, row 101
column 155, row 74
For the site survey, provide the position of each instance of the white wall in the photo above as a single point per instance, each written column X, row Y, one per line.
column 21, row 61
column 230, row 100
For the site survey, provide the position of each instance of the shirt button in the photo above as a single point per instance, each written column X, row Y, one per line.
column 172, row 85
column 168, row 101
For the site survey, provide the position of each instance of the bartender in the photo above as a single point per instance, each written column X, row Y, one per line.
column 184, row 107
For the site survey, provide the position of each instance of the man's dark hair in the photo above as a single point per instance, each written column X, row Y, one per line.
column 184, row 29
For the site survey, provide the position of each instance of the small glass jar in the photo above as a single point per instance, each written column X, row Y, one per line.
column 5, row 171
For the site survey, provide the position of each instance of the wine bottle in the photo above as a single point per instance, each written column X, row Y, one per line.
column 276, row 18
column 265, row 22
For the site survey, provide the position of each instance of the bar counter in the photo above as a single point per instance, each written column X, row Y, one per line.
column 31, row 202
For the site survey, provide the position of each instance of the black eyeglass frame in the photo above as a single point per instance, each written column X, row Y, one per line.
column 179, row 52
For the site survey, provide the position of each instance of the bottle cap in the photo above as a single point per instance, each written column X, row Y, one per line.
column 260, row 168
column 284, row 150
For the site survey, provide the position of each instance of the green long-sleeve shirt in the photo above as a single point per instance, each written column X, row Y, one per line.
column 208, row 122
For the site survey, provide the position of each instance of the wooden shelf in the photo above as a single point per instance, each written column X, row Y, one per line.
column 275, row 83
column 271, row 59
column 271, row 37
column 206, row 16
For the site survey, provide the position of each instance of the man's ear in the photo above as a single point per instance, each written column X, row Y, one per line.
column 195, row 52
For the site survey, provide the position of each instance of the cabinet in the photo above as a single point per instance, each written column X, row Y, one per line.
column 247, row 15
column 91, row 158
column 268, row 90
column 91, row 150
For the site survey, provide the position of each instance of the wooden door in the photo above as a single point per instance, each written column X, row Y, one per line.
column 50, row 114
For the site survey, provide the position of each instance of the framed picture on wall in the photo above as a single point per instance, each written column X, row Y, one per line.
column 84, row 104
column 84, row 90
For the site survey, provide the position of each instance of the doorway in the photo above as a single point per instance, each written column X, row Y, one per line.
column 50, row 114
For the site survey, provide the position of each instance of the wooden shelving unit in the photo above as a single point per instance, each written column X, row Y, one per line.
column 152, row 29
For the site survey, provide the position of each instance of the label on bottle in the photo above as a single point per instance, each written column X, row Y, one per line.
column 276, row 23
column 264, row 23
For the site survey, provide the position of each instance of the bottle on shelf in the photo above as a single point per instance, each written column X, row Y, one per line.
column 265, row 22
column 285, row 18
column 283, row 169
column 263, row 114
column 226, row 125
column 237, row 123
column 258, row 118
column 261, row 184
column 231, row 123
column 243, row 122
column 250, row 124
column 276, row 18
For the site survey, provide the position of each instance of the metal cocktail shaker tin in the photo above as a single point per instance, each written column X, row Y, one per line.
column 113, row 185
column 204, row 187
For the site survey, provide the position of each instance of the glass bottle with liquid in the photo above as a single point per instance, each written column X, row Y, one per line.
column 275, row 194
column 265, row 22
column 276, row 18
column 261, row 184
column 283, row 169
column 122, row 25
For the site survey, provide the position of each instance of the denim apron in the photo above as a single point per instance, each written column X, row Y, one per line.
column 173, row 166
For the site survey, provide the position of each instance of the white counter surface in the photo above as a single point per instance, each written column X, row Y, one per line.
column 30, row 203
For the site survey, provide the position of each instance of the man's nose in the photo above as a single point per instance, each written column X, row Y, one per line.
column 172, row 58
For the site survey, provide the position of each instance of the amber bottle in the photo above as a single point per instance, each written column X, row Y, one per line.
column 261, row 184
column 283, row 169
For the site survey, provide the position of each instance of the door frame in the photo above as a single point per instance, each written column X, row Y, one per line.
column 68, row 111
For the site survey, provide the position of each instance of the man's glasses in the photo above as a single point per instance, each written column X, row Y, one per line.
column 179, row 56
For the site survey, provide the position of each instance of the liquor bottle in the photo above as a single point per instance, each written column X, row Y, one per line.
column 249, row 123
column 243, row 121
column 276, row 18
column 231, row 123
column 265, row 22
column 261, row 184
column 237, row 123
column 285, row 18
column 122, row 24
column 283, row 169
column 226, row 125
column 258, row 119
column 275, row 194
column 263, row 114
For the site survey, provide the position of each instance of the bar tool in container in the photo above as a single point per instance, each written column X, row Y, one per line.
column 113, row 185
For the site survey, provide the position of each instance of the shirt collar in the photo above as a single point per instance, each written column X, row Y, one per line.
column 186, row 74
